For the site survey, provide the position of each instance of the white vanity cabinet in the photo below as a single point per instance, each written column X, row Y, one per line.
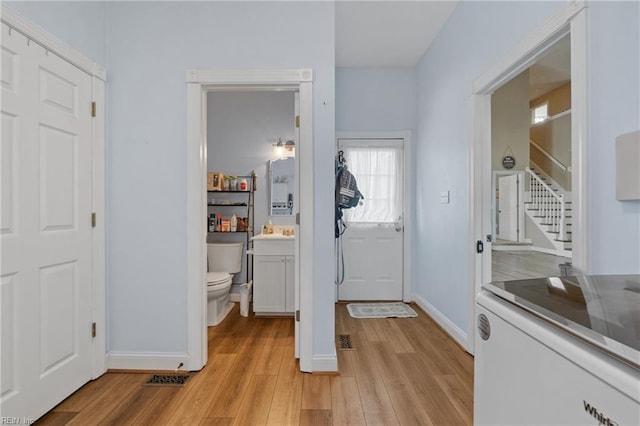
column 273, row 275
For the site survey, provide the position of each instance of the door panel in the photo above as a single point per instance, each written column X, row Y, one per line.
column 373, row 241
column 508, row 208
column 46, row 233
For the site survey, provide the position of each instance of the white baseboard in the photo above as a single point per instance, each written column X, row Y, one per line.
column 563, row 253
column 324, row 363
column 510, row 247
column 453, row 330
column 146, row 361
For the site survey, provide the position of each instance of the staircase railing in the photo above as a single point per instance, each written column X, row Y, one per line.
column 549, row 156
column 549, row 205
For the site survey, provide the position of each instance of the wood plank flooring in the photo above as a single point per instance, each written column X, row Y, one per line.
column 524, row 264
column 401, row 371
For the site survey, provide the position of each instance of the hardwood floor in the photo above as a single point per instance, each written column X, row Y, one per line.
column 519, row 265
column 401, row 371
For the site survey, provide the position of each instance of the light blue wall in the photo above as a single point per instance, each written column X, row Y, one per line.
column 376, row 99
column 379, row 100
column 477, row 35
column 614, row 109
column 150, row 46
column 146, row 47
column 86, row 31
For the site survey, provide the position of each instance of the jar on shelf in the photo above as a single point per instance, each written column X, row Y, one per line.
column 226, row 184
column 233, row 223
column 242, row 185
column 233, row 183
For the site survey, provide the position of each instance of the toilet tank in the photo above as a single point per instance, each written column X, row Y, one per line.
column 225, row 257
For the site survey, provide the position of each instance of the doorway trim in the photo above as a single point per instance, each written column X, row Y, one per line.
column 199, row 82
column 570, row 19
column 407, row 200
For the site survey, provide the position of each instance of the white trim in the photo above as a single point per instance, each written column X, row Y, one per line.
column 528, row 50
column 562, row 253
column 452, row 330
column 249, row 77
column 325, row 363
column 409, row 185
column 570, row 19
column 199, row 82
column 145, row 361
column 511, row 247
column 98, row 234
column 579, row 138
column 306, row 206
column 51, row 43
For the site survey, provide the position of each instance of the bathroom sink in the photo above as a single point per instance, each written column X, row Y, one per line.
column 274, row 236
column 274, row 244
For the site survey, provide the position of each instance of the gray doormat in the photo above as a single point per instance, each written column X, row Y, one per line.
column 381, row 310
column 167, row 380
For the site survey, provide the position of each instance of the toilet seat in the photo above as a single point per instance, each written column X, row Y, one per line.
column 218, row 278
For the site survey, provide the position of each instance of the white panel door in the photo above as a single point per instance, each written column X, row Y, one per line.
column 508, row 208
column 46, row 228
column 373, row 241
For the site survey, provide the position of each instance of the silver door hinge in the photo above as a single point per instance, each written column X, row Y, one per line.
column 297, row 218
column 298, row 315
column 93, row 219
column 93, row 109
column 297, row 121
column 93, row 329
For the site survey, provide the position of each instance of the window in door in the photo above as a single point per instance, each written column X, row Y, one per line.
column 378, row 171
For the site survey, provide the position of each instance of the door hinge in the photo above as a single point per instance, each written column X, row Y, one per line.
column 297, row 218
column 93, row 219
column 93, row 109
column 298, row 315
column 93, row 329
column 297, row 121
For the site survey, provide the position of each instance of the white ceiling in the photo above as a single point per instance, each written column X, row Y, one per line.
column 390, row 33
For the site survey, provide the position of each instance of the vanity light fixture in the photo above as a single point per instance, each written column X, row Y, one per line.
column 290, row 148
column 278, row 149
column 284, row 150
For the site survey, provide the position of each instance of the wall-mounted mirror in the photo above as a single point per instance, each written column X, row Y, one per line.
column 281, row 186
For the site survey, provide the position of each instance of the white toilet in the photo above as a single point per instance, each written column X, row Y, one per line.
column 224, row 260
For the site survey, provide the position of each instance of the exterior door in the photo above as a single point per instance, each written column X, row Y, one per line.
column 373, row 241
column 508, row 207
column 46, row 231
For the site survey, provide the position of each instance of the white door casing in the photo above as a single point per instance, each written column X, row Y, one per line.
column 373, row 247
column 199, row 82
column 569, row 19
column 48, row 263
column 508, row 207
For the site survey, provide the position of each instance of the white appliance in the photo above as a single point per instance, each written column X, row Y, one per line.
column 558, row 351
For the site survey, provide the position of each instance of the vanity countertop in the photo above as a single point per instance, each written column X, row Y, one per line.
column 277, row 235
column 275, row 244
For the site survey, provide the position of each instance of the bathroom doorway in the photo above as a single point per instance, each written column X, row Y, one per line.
column 199, row 84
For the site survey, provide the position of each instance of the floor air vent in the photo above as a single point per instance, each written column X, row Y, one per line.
column 167, row 380
column 344, row 342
